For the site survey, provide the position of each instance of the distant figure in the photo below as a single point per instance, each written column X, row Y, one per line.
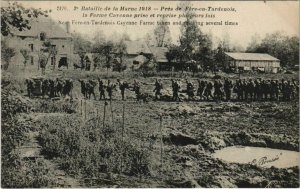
column 123, row 86
column 101, row 89
column 175, row 88
column 157, row 89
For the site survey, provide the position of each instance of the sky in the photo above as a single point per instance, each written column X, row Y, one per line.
column 253, row 17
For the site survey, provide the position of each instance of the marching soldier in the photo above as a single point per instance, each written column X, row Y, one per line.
column 136, row 89
column 122, row 86
column 29, row 83
column 190, row 90
column 45, row 87
column 201, row 88
column 208, row 90
column 51, row 88
column 228, row 89
column 251, row 89
column 175, row 89
column 101, row 89
column 109, row 89
column 157, row 89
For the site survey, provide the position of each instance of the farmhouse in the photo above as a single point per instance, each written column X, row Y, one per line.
column 252, row 61
column 43, row 29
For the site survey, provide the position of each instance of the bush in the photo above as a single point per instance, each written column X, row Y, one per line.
column 89, row 150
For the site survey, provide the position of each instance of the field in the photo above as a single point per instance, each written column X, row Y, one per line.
column 151, row 144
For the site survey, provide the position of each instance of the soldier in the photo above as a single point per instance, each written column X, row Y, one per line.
column 123, row 86
column 251, row 89
column 45, row 87
column 157, row 89
column 283, row 88
column 257, row 90
column 201, row 88
column 109, row 89
column 58, row 87
column 101, row 89
column 244, row 89
column 291, row 90
column 272, row 89
column 228, row 89
column 190, row 90
column 136, row 89
column 68, row 87
column 267, row 89
column 51, row 88
column 296, row 85
column 83, row 87
column 90, row 86
column 218, row 90
column 208, row 90
column 239, row 89
column 29, row 83
column 276, row 89
column 175, row 89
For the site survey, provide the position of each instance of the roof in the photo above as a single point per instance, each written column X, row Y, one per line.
column 136, row 47
column 51, row 28
column 251, row 56
column 159, row 53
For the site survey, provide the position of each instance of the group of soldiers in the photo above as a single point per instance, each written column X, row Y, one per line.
column 88, row 89
column 246, row 90
column 218, row 90
column 49, row 87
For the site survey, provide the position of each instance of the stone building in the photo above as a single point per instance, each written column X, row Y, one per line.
column 43, row 29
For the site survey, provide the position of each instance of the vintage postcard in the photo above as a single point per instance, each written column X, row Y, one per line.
column 150, row 94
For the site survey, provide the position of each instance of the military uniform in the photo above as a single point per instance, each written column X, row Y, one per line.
column 123, row 86
column 101, row 89
column 157, row 89
column 175, row 89
column 228, row 89
column 201, row 88
column 190, row 90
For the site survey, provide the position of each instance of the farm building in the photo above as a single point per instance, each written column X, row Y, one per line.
column 43, row 29
column 252, row 61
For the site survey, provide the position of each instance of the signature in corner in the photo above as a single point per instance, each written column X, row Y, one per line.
column 264, row 160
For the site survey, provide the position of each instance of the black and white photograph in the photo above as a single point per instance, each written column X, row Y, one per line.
column 150, row 94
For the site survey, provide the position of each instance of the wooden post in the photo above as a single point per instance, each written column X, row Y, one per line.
column 97, row 118
column 112, row 113
column 123, row 121
column 84, row 109
column 81, row 107
column 161, row 143
column 123, row 128
column 104, row 113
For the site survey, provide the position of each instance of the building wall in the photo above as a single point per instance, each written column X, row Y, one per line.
column 64, row 49
column 269, row 66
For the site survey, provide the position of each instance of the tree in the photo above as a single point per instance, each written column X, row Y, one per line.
column 16, row 17
column 104, row 49
column 6, row 54
column 283, row 47
column 120, row 51
column 162, row 33
column 174, row 54
column 81, row 43
column 194, row 43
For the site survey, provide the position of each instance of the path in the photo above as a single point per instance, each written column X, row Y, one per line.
column 31, row 151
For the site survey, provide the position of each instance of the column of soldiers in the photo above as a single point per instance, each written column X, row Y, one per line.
column 50, row 87
column 218, row 90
